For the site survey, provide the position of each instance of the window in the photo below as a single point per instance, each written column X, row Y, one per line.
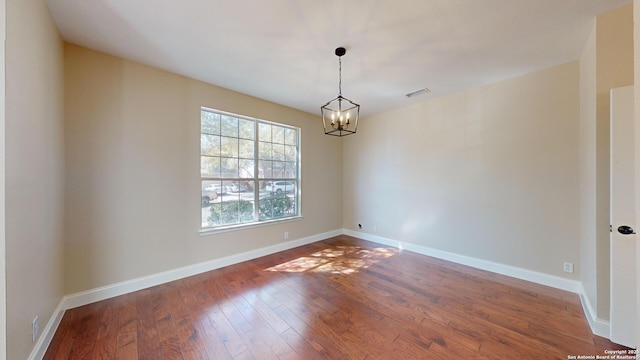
column 249, row 170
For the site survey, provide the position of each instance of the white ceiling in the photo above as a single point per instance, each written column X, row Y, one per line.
column 283, row 50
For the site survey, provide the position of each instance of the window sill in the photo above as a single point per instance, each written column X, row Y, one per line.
column 223, row 229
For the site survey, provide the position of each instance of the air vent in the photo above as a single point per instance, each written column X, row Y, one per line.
column 418, row 92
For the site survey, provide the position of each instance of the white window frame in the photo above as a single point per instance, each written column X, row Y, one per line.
column 258, row 177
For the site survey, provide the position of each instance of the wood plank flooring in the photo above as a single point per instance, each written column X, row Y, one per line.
column 342, row 298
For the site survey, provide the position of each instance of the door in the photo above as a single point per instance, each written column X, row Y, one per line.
column 622, row 239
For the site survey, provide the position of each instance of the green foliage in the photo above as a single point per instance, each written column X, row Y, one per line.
column 239, row 211
column 275, row 206
column 231, row 212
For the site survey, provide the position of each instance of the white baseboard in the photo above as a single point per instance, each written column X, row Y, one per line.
column 598, row 326
column 47, row 333
column 105, row 292
column 519, row 273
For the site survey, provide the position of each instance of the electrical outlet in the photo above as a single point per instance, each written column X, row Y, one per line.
column 360, row 226
column 286, row 235
column 568, row 267
column 35, row 328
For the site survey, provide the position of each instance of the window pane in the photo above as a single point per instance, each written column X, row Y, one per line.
column 275, row 201
column 247, row 129
column 290, row 153
column 278, row 134
column 246, row 169
column 229, row 168
column 210, row 145
column 209, row 166
column 238, row 190
column 289, row 186
column 214, row 185
column 278, row 169
column 210, row 122
column 291, row 170
column 290, row 136
column 280, row 186
column 235, row 206
column 278, row 152
column 232, row 210
column 251, row 186
column 229, row 147
column 264, row 132
column 265, row 169
column 211, row 191
column 264, row 151
column 229, row 126
column 246, row 149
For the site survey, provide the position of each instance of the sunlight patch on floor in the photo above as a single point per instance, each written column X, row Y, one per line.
column 336, row 260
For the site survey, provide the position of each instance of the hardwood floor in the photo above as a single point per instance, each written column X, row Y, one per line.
column 341, row 298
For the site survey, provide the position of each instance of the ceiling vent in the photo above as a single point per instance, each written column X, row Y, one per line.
column 417, row 92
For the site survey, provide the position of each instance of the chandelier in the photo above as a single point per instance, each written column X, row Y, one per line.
column 340, row 115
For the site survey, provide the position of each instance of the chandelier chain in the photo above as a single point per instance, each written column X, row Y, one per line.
column 339, row 75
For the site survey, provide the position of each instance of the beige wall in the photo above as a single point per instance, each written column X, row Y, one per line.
column 636, row 89
column 588, row 204
column 491, row 173
column 3, row 278
column 133, row 167
column 34, row 171
column 614, row 68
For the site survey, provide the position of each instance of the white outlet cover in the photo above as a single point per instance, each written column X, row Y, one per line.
column 568, row 267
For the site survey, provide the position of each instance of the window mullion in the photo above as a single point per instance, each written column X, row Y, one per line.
column 256, row 175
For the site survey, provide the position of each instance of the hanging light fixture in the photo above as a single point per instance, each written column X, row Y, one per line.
column 340, row 115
